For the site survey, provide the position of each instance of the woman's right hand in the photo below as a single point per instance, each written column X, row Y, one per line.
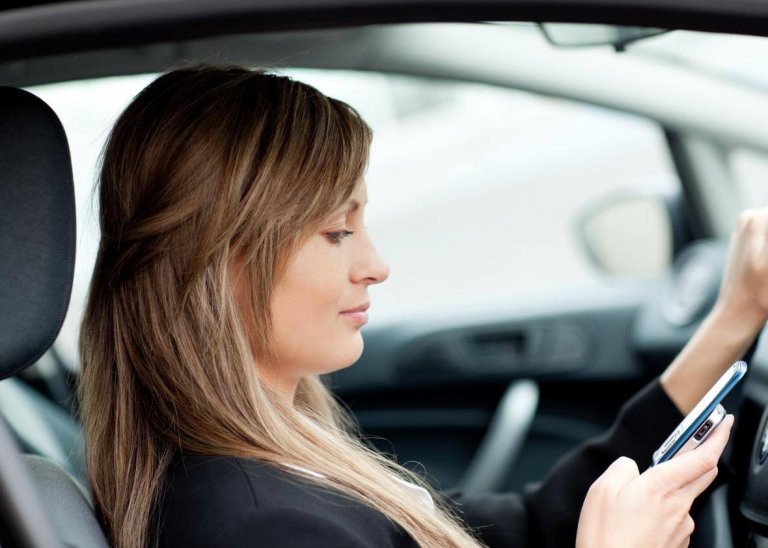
column 626, row 509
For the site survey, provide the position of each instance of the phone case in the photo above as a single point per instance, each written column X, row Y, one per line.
column 703, row 412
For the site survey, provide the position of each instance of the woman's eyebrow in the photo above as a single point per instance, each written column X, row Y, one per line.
column 352, row 206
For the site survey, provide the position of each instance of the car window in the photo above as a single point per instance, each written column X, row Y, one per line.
column 475, row 191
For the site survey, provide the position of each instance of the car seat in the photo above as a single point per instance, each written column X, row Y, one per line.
column 41, row 506
column 43, row 427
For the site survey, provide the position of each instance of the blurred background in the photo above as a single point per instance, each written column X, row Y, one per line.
column 476, row 192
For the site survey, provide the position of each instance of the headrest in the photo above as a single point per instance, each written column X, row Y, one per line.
column 37, row 229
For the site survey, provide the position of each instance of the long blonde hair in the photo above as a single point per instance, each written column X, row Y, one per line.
column 206, row 164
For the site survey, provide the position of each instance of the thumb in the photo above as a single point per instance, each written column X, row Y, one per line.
column 682, row 470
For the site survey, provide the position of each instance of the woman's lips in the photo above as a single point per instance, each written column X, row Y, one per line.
column 360, row 308
column 359, row 318
column 358, row 314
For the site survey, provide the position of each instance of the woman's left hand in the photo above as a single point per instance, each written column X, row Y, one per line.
column 738, row 316
column 743, row 297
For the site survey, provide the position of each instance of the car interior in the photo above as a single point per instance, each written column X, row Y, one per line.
column 557, row 186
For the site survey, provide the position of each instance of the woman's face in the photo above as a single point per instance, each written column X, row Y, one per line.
column 314, row 331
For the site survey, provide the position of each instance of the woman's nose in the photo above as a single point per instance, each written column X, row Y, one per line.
column 380, row 270
column 371, row 267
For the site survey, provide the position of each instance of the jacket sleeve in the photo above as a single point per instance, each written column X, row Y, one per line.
column 547, row 514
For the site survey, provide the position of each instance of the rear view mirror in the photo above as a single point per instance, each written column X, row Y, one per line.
column 628, row 235
column 569, row 35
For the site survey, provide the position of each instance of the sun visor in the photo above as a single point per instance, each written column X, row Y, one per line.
column 37, row 228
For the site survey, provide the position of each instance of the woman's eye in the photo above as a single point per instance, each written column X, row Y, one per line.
column 336, row 237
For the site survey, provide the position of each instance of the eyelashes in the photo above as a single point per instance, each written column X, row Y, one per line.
column 337, row 237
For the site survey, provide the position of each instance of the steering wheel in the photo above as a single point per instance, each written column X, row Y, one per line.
column 749, row 486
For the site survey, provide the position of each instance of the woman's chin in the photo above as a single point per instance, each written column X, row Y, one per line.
column 355, row 350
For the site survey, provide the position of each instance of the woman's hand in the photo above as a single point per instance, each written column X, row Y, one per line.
column 743, row 297
column 625, row 509
column 737, row 317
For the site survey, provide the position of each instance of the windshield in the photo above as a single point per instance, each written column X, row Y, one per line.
column 735, row 58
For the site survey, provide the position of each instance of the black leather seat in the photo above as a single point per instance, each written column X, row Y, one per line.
column 40, row 504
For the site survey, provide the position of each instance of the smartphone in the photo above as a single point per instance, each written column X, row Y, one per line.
column 703, row 419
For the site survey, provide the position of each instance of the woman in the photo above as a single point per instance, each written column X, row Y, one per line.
column 233, row 270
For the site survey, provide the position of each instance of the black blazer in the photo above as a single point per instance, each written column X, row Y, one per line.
column 221, row 501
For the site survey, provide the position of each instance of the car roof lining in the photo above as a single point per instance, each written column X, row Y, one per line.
column 44, row 29
column 456, row 52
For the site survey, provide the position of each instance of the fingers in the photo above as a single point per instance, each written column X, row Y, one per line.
column 618, row 474
column 698, row 486
column 753, row 229
column 685, row 532
column 751, row 218
column 744, row 288
column 693, row 465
